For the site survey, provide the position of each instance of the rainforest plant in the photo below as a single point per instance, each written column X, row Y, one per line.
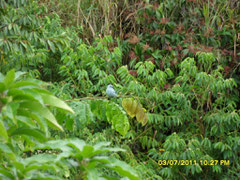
column 173, row 63
column 30, row 40
column 90, row 68
column 24, row 123
column 195, row 118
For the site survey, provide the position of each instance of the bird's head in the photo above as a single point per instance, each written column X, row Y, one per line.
column 110, row 86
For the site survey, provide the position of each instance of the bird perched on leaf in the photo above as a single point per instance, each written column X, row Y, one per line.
column 110, row 91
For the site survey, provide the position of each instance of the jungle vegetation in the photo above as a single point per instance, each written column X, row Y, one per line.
column 173, row 63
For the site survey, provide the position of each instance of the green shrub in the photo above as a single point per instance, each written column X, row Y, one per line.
column 24, row 123
column 194, row 119
column 30, row 40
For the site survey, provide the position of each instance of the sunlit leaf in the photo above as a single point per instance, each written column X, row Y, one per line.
column 3, row 131
column 9, row 78
column 41, row 110
column 130, row 106
column 36, row 133
column 53, row 101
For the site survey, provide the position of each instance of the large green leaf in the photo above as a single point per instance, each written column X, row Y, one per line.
column 37, row 96
column 9, row 78
column 83, row 112
column 123, row 169
column 3, row 131
column 113, row 113
column 18, row 74
column 4, row 148
column 36, row 133
column 52, row 47
column 2, row 87
column 27, row 121
column 40, row 158
column 24, row 83
column 77, row 144
column 87, row 151
column 1, row 77
column 42, row 91
column 11, row 110
column 94, row 175
column 53, row 101
column 6, row 174
column 117, row 117
column 42, row 111
column 58, row 145
column 27, row 117
column 106, row 149
column 29, row 97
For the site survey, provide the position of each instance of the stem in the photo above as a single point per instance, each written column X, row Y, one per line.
column 141, row 134
column 85, row 98
column 89, row 98
column 78, row 6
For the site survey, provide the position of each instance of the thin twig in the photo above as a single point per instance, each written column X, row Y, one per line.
column 235, row 49
column 141, row 134
column 85, row 98
column 86, row 19
column 78, row 6
column 98, row 97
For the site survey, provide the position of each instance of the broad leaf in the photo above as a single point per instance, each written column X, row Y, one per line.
column 9, row 78
column 41, row 110
column 3, row 131
column 130, row 106
column 2, row 87
column 36, row 133
column 26, row 84
column 53, row 101
column 123, row 169
column 133, row 109
column 52, row 47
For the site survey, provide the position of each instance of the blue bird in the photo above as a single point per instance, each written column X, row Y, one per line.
column 110, row 91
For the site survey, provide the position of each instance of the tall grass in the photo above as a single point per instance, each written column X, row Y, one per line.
column 97, row 18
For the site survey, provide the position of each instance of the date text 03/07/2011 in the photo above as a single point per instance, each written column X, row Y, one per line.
column 193, row 162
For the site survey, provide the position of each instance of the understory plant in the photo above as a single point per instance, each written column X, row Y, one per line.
column 26, row 145
column 189, row 116
column 194, row 118
column 173, row 63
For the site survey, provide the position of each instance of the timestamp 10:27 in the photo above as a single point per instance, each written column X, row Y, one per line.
column 193, row 162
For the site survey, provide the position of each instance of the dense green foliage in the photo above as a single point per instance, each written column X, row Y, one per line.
column 173, row 63
column 25, row 121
